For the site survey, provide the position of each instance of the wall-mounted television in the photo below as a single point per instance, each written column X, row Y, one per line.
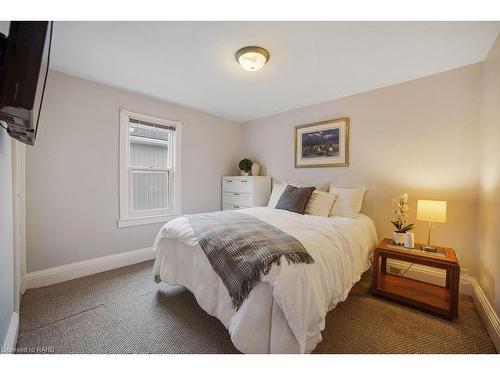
column 24, row 60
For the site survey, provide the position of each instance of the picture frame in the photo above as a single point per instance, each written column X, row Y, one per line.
column 322, row 144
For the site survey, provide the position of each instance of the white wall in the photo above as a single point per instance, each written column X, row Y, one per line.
column 489, row 186
column 6, row 236
column 6, row 227
column 418, row 137
column 72, row 172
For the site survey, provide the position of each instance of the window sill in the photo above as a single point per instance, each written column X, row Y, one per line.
column 131, row 222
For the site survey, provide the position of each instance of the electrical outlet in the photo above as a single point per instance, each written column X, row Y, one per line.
column 395, row 270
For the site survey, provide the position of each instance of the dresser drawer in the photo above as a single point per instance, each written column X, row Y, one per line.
column 239, row 199
column 237, row 185
column 227, row 207
column 245, row 191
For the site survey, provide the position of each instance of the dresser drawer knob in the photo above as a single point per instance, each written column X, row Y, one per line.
column 236, row 193
column 236, row 206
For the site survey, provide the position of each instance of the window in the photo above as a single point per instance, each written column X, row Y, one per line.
column 149, row 169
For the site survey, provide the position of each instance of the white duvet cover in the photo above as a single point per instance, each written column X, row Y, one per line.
column 286, row 310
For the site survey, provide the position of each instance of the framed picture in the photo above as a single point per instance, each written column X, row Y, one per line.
column 322, row 144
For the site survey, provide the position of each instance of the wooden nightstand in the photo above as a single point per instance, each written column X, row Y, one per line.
column 442, row 301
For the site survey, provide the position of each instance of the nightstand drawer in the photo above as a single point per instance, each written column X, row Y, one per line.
column 239, row 199
column 237, row 185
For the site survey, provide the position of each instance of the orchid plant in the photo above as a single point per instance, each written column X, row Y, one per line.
column 401, row 208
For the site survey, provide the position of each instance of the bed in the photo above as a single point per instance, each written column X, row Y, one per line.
column 286, row 309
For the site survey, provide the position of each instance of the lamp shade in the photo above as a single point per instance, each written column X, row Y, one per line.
column 434, row 211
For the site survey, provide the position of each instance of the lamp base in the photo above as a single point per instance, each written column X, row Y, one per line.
column 431, row 249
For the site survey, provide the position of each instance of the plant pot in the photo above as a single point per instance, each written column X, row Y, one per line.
column 398, row 238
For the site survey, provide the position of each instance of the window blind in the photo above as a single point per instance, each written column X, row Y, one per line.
column 171, row 127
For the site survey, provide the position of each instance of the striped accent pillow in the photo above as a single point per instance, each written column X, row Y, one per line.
column 320, row 203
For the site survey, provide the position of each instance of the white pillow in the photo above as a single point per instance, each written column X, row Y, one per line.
column 348, row 202
column 321, row 187
column 278, row 189
column 320, row 203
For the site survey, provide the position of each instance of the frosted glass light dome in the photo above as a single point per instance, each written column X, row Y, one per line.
column 252, row 58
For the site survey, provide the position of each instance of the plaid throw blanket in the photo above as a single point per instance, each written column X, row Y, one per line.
column 240, row 247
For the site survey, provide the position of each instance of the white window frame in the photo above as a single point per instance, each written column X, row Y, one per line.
column 126, row 216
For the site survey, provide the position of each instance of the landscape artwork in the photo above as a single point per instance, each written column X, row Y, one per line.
column 322, row 144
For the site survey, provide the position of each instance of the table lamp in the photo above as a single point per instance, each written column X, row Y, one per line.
column 432, row 212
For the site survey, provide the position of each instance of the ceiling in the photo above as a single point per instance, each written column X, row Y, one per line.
column 192, row 63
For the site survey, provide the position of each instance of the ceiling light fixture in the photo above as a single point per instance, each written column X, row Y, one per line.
column 252, row 58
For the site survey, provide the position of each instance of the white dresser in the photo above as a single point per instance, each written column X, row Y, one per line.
column 245, row 191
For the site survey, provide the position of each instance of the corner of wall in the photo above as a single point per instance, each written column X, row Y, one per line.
column 488, row 205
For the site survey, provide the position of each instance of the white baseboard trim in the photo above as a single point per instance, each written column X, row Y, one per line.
column 486, row 311
column 418, row 272
column 468, row 286
column 10, row 340
column 71, row 271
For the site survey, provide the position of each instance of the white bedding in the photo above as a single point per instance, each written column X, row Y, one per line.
column 285, row 312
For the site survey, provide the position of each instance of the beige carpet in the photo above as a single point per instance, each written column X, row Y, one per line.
column 124, row 311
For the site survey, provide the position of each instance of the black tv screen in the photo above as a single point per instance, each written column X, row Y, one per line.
column 23, row 66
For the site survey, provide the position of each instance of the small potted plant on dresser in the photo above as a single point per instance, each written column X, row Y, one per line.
column 245, row 166
column 400, row 208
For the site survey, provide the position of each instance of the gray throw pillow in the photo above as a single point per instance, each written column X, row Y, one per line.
column 295, row 198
